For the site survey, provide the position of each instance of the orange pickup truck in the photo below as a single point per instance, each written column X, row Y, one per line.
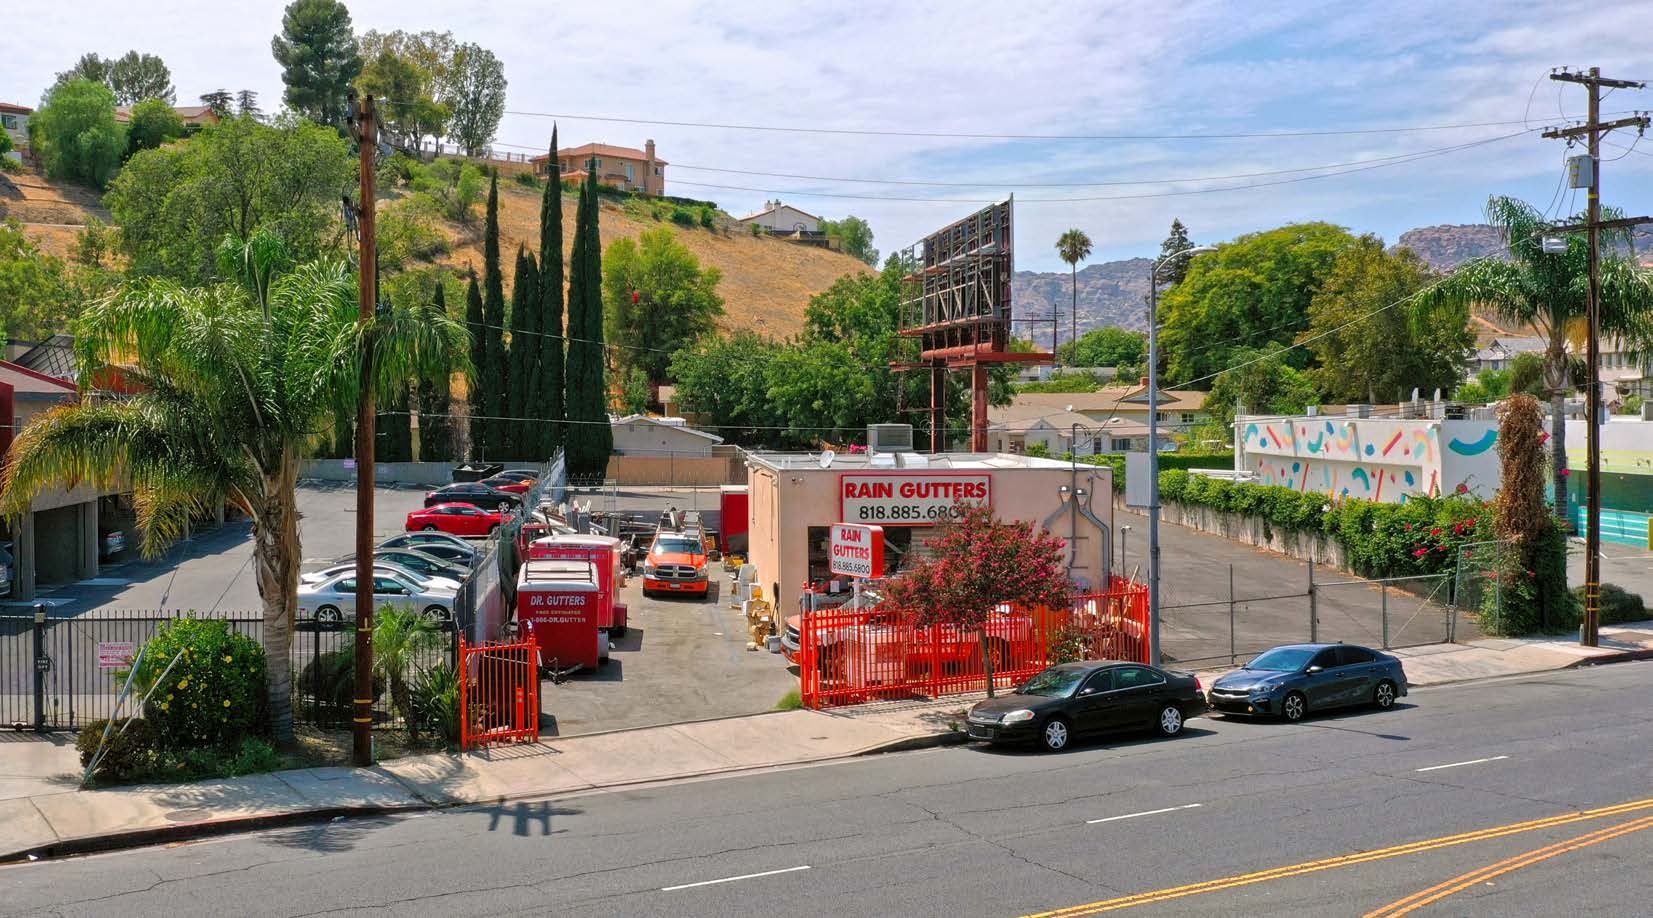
column 676, row 562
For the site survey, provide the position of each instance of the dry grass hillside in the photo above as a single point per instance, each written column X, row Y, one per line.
column 766, row 284
column 51, row 212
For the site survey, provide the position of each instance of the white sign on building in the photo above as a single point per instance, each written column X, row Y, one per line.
column 910, row 498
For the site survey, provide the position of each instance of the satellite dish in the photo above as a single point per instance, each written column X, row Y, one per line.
column 826, row 458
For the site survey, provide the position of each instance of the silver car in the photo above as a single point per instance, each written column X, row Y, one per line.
column 330, row 601
column 429, row 581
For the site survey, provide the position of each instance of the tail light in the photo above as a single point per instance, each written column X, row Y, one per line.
column 1197, row 686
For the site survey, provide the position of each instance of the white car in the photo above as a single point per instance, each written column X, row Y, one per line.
column 330, row 601
column 389, row 567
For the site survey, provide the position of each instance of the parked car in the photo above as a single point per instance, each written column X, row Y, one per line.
column 474, row 493
column 111, row 542
column 420, row 562
column 528, row 475
column 507, row 484
column 1294, row 679
column 1077, row 699
column 427, row 540
column 347, row 565
column 456, row 519
column 676, row 562
column 329, row 602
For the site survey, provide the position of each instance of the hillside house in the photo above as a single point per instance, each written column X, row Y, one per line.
column 195, row 117
column 782, row 218
column 626, row 168
column 15, row 120
column 1108, row 420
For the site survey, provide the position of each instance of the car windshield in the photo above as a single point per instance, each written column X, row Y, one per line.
column 1282, row 659
column 1054, row 683
column 663, row 546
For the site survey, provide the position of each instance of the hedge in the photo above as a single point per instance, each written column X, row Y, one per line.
column 1167, row 462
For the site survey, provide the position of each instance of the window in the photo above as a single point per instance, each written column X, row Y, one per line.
column 1135, row 677
column 347, row 585
column 1352, row 656
column 385, row 586
column 1187, row 417
column 658, row 171
column 1120, row 446
column 1325, row 659
column 10, row 122
column 1099, row 682
column 629, row 176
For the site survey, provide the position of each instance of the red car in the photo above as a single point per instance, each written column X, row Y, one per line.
column 455, row 519
column 508, row 485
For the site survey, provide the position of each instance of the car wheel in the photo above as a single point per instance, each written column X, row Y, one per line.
column 430, row 528
column 1384, row 695
column 329, row 615
column 436, row 615
column 1170, row 720
column 1056, row 735
column 1294, row 707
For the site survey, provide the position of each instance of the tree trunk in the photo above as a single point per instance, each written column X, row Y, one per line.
column 986, row 660
column 1558, row 456
column 276, row 557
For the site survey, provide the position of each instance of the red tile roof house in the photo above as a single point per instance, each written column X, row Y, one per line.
column 626, row 168
column 195, row 116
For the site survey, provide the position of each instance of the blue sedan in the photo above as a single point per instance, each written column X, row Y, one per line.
column 1294, row 679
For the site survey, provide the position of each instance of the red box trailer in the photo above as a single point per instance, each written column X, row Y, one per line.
column 559, row 606
column 734, row 507
column 602, row 551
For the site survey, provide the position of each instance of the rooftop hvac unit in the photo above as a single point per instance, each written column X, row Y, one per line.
column 889, row 438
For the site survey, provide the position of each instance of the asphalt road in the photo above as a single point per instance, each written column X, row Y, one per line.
column 1231, row 818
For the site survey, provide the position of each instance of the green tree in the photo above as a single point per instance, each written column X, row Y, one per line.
column 233, row 178
column 394, row 428
column 1175, row 269
column 78, row 136
column 36, row 299
column 524, row 355
column 1108, row 346
column 477, row 428
column 1548, row 292
column 494, row 374
column 657, row 300
column 476, row 96
column 401, row 637
column 1252, row 292
column 236, row 376
column 1074, row 246
column 550, row 373
column 317, row 53
column 589, row 439
column 89, row 67
column 410, row 109
column 454, row 184
column 1373, row 338
column 726, row 379
column 219, row 100
column 1527, row 374
column 246, row 104
column 635, row 392
column 1264, row 382
column 153, row 123
column 433, row 394
column 135, row 77
column 854, row 236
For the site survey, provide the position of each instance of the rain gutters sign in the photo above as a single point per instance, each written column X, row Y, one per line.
column 909, row 499
column 856, row 551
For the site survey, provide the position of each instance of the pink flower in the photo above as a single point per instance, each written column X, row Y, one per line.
column 1463, row 488
column 1420, row 552
column 1566, row 472
column 1436, row 532
column 1408, row 527
column 1441, row 548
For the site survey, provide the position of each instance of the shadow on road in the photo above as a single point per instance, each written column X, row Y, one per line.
column 526, row 815
column 1118, row 741
column 335, row 837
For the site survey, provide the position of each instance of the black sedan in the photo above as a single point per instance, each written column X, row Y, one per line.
column 441, row 544
column 418, row 561
column 474, row 493
column 1292, row 680
column 1077, row 699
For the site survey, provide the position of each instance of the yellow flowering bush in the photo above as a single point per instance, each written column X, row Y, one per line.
column 214, row 695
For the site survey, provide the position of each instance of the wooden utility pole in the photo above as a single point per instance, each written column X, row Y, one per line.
column 1592, row 130
column 365, row 130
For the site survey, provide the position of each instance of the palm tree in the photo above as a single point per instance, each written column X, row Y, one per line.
column 1549, row 292
column 236, row 381
column 400, row 636
column 1074, row 246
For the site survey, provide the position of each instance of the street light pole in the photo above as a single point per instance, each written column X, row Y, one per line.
column 1153, row 444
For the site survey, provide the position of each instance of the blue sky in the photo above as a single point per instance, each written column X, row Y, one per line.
column 995, row 68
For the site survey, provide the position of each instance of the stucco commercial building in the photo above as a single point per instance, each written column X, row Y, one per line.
column 1381, row 459
column 795, row 497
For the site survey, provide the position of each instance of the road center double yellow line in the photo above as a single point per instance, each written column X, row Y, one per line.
column 1343, row 860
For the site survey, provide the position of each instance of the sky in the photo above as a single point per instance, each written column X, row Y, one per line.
column 1112, row 73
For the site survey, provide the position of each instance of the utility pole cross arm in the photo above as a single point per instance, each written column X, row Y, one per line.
column 1583, row 130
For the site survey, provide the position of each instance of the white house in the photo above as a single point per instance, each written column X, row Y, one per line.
column 645, row 435
column 783, row 218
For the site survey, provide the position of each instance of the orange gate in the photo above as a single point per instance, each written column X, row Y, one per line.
column 848, row 656
column 499, row 693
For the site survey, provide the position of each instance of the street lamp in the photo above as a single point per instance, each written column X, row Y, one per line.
column 1124, row 550
column 1153, row 442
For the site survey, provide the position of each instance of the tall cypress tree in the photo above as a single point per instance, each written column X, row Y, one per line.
column 435, row 442
column 589, row 438
column 473, row 324
column 525, row 307
column 549, row 374
column 394, row 429
column 494, row 375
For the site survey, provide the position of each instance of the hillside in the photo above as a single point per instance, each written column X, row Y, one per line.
column 766, row 284
column 51, row 212
column 1448, row 246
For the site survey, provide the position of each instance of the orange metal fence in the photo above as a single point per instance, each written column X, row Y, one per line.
column 499, row 693
column 848, row 656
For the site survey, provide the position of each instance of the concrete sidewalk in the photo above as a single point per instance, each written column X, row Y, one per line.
column 42, row 814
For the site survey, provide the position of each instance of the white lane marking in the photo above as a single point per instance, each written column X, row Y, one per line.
column 1169, row 809
column 1456, row 764
column 744, row 876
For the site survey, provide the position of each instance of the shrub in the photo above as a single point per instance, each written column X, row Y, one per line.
column 685, row 216
column 330, row 680
column 128, row 755
column 791, row 701
column 253, row 756
column 408, row 231
column 1618, row 605
column 527, row 179
column 213, row 695
column 436, row 701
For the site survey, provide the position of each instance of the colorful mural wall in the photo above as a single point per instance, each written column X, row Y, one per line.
column 1373, row 459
